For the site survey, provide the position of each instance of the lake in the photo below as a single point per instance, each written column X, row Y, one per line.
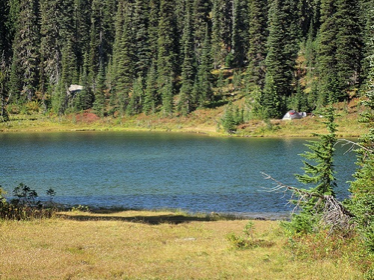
column 149, row 170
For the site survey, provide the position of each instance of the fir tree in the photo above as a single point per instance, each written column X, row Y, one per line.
column 4, row 117
column 361, row 203
column 204, row 82
column 142, row 47
column 228, row 120
column 201, row 24
column 150, row 101
column 167, row 59
column 136, row 98
column 167, row 97
column 50, row 65
column 99, row 94
column 81, row 28
column 124, row 59
column 348, row 43
column 281, row 52
column 188, row 67
column 272, row 103
column 153, row 20
column 26, row 45
column 221, row 31
column 258, row 34
column 240, row 28
column 321, row 175
column 338, row 49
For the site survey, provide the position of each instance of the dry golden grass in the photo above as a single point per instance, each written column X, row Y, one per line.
column 110, row 246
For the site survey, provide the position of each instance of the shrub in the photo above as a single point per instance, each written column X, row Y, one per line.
column 248, row 241
column 25, row 206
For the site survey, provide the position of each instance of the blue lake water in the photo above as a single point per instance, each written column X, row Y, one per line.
column 151, row 170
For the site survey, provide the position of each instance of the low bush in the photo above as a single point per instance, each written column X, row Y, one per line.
column 248, row 241
column 25, row 206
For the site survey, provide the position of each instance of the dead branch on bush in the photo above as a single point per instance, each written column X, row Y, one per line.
column 353, row 146
column 333, row 212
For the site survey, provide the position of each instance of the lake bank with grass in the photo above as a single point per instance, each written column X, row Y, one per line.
column 201, row 121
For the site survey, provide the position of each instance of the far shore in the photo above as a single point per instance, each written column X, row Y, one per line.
column 348, row 126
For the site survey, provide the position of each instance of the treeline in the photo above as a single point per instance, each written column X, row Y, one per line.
column 172, row 57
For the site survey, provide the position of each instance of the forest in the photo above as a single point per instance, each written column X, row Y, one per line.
column 129, row 57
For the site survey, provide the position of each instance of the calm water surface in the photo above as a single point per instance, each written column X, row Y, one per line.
column 159, row 170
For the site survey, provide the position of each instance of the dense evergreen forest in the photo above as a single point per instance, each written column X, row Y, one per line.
column 172, row 57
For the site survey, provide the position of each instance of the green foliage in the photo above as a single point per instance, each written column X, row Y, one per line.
column 271, row 101
column 80, row 208
column 361, row 203
column 25, row 196
column 233, row 116
column 338, row 49
column 257, row 41
column 25, row 206
column 99, row 103
column 247, row 241
column 320, row 175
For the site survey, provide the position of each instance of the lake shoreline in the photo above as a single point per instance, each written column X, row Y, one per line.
column 205, row 122
column 209, row 131
column 262, row 216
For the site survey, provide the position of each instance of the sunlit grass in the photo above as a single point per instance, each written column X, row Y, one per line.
column 100, row 247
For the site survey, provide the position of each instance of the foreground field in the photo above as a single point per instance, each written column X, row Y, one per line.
column 152, row 245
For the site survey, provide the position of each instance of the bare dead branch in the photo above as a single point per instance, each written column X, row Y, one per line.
column 353, row 145
column 333, row 212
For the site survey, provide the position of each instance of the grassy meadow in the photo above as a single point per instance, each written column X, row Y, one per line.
column 159, row 245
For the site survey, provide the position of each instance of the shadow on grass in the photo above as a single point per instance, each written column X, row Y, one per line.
column 152, row 219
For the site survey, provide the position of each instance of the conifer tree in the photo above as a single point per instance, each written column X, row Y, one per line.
column 6, row 35
column 149, row 105
column 4, row 117
column 348, row 45
column 101, row 33
column 204, row 81
column 228, row 120
column 221, row 31
column 81, row 28
column 361, row 203
column 84, row 99
column 167, row 59
column 99, row 94
column 136, row 98
column 240, row 28
column 188, row 68
column 167, row 93
column 50, row 65
column 258, row 34
column 321, row 175
column 338, row 49
column 153, row 20
column 125, row 59
column 366, row 21
column 142, row 48
column 280, row 59
column 272, row 103
column 201, row 24
column 26, row 45
column 62, row 96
